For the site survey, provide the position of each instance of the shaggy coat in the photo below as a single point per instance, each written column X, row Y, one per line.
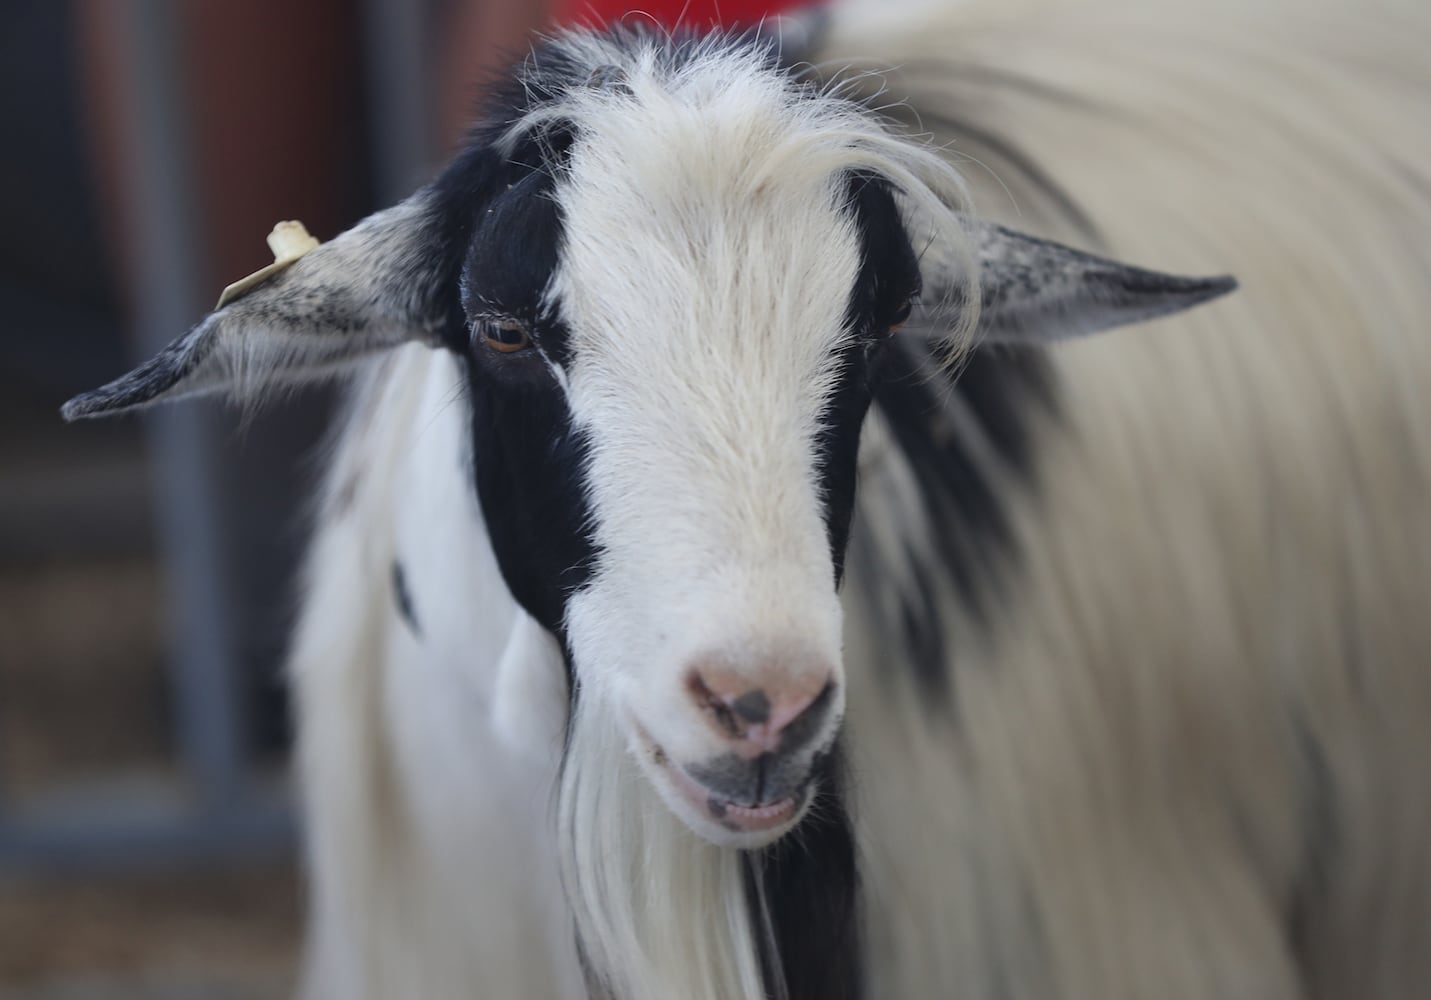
column 1123, row 640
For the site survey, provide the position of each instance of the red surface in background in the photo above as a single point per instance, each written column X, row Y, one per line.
column 696, row 13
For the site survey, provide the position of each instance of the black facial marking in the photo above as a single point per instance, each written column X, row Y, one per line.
column 1003, row 391
column 514, row 251
column 402, row 597
column 889, row 275
column 809, row 881
column 529, row 463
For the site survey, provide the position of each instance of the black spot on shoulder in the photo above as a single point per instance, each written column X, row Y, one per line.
column 402, row 597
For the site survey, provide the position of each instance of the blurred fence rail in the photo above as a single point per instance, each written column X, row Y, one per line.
column 217, row 797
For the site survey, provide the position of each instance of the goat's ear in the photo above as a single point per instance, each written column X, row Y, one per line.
column 382, row 283
column 1035, row 291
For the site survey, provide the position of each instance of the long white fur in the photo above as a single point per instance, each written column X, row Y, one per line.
column 1205, row 704
column 1223, row 568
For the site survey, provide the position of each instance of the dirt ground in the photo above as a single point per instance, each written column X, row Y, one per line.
column 232, row 935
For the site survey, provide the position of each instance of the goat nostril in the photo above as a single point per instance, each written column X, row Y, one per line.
column 712, row 702
column 770, row 717
column 752, row 707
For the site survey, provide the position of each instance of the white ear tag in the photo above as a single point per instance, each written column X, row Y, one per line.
column 288, row 241
column 529, row 699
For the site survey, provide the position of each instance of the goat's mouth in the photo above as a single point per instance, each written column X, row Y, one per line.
column 735, row 816
column 717, row 817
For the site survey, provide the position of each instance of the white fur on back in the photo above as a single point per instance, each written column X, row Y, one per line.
column 1189, row 755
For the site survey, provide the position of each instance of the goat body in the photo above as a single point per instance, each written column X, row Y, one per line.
column 1130, row 646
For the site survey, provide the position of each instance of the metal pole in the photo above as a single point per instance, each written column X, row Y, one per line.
column 396, row 33
column 167, row 250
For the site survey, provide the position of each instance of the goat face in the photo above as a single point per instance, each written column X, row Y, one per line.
column 668, row 391
column 671, row 286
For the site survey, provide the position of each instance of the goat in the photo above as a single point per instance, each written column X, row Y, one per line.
column 1128, row 630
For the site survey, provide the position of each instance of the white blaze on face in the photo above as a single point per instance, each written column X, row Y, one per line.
column 705, row 278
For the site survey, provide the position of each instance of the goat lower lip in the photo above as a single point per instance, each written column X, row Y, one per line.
column 743, row 819
column 749, row 819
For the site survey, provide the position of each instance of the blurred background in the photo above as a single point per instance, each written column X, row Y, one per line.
column 147, row 842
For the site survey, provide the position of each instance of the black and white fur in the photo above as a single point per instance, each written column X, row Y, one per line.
column 1108, row 725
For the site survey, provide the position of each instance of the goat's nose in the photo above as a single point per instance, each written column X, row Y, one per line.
column 769, row 717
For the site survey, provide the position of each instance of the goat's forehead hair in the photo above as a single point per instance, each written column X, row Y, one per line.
column 672, row 89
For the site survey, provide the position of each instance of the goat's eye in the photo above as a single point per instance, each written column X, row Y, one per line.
column 505, row 335
column 902, row 316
